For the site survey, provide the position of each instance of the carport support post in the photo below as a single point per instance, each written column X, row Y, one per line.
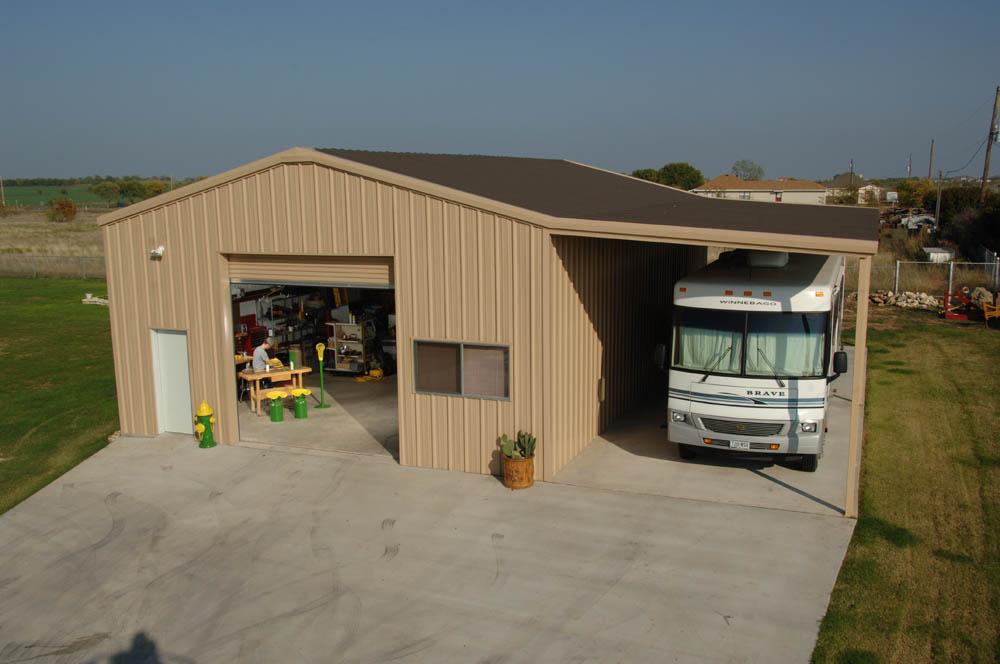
column 858, row 390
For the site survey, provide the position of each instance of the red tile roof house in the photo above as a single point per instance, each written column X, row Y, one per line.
column 782, row 190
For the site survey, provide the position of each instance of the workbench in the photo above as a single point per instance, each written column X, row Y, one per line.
column 254, row 378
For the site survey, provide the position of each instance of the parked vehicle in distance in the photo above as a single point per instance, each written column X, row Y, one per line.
column 756, row 343
column 915, row 219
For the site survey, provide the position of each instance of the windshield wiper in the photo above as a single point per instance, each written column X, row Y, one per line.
column 774, row 372
column 715, row 363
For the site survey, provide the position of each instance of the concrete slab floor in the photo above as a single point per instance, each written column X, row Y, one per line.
column 363, row 419
column 154, row 550
column 634, row 455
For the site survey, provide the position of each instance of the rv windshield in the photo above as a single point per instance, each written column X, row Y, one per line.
column 783, row 345
column 786, row 344
column 709, row 340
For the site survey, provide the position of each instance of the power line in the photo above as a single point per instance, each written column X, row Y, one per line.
column 955, row 170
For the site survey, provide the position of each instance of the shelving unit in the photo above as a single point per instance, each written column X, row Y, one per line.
column 353, row 345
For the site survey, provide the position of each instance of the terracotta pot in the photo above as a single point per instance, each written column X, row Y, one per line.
column 518, row 473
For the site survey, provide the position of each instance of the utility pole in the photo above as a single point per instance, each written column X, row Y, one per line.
column 909, row 166
column 937, row 206
column 991, row 138
column 852, row 174
column 3, row 196
column 930, row 162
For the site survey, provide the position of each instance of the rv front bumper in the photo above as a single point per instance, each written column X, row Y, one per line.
column 788, row 440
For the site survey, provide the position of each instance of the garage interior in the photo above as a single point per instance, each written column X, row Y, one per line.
column 625, row 291
column 357, row 326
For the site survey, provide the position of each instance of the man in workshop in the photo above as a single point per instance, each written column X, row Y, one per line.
column 260, row 357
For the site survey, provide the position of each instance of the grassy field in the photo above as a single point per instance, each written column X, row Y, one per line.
column 32, row 233
column 41, row 195
column 61, row 407
column 921, row 581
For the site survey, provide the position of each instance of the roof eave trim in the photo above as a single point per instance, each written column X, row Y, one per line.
column 715, row 236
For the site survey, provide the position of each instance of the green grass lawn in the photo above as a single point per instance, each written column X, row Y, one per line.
column 59, row 394
column 41, row 195
column 921, row 580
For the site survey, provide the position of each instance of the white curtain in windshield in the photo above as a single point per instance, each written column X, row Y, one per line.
column 785, row 344
column 710, row 341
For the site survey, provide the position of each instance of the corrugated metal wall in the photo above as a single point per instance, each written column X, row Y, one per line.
column 609, row 305
column 461, row 274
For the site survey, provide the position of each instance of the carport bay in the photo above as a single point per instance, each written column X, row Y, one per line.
column 628, row 446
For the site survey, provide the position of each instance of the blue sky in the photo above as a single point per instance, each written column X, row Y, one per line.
column 187, row 88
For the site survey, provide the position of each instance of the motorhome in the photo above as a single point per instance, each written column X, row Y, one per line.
column 756, row 344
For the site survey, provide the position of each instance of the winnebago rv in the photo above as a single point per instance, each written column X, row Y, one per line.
column 756, row 343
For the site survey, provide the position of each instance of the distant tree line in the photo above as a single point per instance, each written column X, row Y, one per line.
column 964, row 220
column 678, row 174
column 65, row 182
column 113, row 190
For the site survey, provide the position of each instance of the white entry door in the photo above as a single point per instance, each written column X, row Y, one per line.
column 173, row 383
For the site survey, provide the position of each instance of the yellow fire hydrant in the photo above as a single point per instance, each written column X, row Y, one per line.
column 204, row 420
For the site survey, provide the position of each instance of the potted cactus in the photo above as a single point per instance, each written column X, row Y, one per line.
column 518, row 460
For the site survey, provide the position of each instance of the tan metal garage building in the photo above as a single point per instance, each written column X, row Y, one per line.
column 566, row 268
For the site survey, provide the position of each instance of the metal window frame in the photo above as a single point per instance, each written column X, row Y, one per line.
column 461, row 369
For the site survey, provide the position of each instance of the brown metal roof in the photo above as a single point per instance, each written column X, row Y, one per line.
column 566, row 189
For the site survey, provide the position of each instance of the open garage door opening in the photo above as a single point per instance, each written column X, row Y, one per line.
column 750, row 360
column 288, row 314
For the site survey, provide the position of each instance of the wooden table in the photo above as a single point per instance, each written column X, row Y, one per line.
column 258, row 394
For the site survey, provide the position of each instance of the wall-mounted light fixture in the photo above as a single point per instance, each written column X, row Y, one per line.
column 157, row 253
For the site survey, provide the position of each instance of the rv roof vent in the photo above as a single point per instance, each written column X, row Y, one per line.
column 767, row 258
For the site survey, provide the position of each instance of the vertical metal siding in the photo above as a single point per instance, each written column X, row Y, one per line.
column 461, row 274
column 608, row 304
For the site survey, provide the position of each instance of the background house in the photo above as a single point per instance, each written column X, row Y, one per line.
column 845, row 182
column 782, row 190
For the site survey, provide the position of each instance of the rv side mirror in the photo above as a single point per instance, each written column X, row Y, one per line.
column 660, row 356
column 840, row 362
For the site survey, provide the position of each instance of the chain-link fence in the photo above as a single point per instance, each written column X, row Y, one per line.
column 928, row 277
column 33, row 265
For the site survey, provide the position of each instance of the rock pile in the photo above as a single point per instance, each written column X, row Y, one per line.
column 906, row 300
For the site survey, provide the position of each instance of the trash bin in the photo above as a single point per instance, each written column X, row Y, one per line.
column 277, row 406
column 301, row 407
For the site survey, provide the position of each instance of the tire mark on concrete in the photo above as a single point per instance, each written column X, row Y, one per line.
column 619, row 566
column 407, row 650
column 496, row 539
column 117, row 526
column 391, row 545
column 336, row 593
column 24, row 652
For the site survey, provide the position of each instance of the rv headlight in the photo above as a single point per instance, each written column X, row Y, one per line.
column 808, row 427
column 676, row 416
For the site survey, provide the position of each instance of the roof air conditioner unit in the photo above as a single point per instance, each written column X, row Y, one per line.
column 767, row 259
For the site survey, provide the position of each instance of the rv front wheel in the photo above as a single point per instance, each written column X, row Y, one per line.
column 687, row 452
column 809, row 463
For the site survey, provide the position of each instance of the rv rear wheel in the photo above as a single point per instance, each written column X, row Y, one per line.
column 809, row 463
column 687, row 452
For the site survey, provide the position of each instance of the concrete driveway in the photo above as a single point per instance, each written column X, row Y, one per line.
column 634, row 455
column 154, row 550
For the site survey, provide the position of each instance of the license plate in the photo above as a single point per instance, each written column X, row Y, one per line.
column 739, row 444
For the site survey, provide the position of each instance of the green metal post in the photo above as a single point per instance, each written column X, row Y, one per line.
column 322, row 392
